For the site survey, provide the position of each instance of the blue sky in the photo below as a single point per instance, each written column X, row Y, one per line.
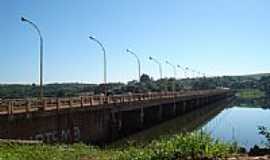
column 218, row 37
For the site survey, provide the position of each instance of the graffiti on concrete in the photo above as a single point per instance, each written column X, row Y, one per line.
column 64, row 135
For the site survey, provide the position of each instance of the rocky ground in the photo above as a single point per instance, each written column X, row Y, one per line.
column 246, row 157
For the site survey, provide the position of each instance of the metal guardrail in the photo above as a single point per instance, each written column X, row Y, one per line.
column 16, row 106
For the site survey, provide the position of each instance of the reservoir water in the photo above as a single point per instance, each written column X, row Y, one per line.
column 228, row 120
column 239, row 124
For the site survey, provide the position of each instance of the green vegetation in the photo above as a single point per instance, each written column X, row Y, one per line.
column 51, row 90
column 192, row 145
column 261, row 151
column 257, row 84
column 262, row 102
column 266, row 133
column 251, row 93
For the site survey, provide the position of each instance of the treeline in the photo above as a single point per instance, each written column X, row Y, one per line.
column 146, row 84
column 50, row 90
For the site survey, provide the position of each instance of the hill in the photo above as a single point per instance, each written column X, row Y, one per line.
column 252, row 81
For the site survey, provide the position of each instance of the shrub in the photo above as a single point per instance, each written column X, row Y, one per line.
column 180, row 146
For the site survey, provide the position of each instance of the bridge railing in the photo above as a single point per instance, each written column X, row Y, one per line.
column 9, row 107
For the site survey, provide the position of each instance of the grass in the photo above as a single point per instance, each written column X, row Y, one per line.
column 251, row 93
column 192, row 145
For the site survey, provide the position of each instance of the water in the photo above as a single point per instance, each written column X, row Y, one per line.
column 231, row 121
column 239, row 124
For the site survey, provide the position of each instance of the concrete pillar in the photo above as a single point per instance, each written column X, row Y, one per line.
column 91, row 100
column 28, row 109
column 44, row 103
column 70, row 103
column 202, row 101
column 10, row 110
column 141, row 116
column 184, row 106
column 58, row 104
column 198, row 102
column 190, row 105
column 119, row 120
column 116, row 122
column 174, row 108
column 100, row 120
column 160, row 113
column 195, row 103
column 82, row 101
column 100, row 100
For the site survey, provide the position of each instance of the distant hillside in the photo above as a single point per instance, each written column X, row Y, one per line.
column 253, row 81
column 257, row 76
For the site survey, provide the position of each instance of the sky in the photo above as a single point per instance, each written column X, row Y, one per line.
column 216, row 37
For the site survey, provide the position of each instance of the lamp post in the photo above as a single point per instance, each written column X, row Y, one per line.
column 104, row 61
column 193, row 73
column 40, row 55
column 174, row 74
column 173, row 84
column 138, row 61
column 159, row 64
column 187, row 71
column 183, row 69
column 199, row 74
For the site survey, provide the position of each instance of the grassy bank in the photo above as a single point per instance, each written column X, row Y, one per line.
column 250, row 93
column 194, row 145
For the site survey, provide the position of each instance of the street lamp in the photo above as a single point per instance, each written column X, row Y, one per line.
column 204, row 75
column 183, row 69
column 174, row 68
column 193, row 73
column 159, row 64
column 199, row 74
column 174, row 73
column 138, row 61
column 40, row 53
column 105, row 61
column 173, row 84
column 187, row 71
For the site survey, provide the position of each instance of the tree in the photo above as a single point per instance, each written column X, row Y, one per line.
column 265, row 85
column 145, row 78
column 266, row 133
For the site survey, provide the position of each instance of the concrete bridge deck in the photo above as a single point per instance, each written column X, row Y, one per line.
column 96, row 119
column 18, row 106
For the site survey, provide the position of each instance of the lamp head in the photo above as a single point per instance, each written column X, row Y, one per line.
column 151, row 58
column 91, row 37
column 178, row 66
column 23, row 19
column 127, row 50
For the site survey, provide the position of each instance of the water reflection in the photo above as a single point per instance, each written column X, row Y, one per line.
column 184, row 123
column 240, row 123
column 236, row 120
column 254, row 103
